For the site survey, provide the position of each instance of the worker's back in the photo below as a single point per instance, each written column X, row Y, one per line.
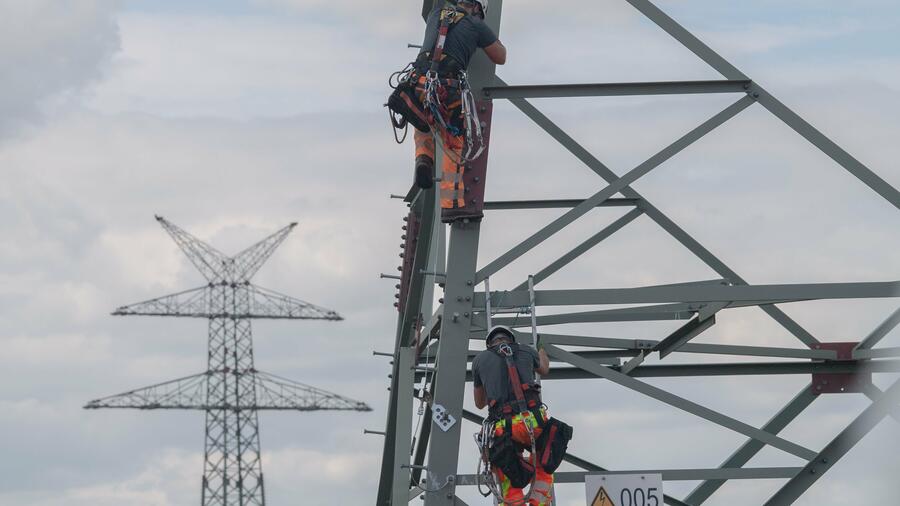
column 489, row 370
column 463, row 38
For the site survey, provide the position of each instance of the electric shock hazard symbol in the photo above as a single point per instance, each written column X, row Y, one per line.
column 615, row 489
column 602, row 499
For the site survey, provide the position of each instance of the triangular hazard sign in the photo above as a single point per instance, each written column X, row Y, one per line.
column 602, row 499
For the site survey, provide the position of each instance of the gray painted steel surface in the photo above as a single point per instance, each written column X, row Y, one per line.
column 462, row 316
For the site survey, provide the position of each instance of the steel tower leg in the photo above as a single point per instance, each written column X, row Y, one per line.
column 456, row 322
column 398, row 431
column 403, row 427
column 452, row 358
column 232, row 470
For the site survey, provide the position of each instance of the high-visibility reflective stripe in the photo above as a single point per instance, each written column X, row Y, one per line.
column 452, row 203
column 451, row 177
column 424, row 144
column 450, row 193
column 505, row 485
column 452, row 190
column 540, row 491
column 529, row 418
column 509, row 493
column 542, row 487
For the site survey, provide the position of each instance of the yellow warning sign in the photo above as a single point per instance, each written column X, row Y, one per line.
column 602, row 499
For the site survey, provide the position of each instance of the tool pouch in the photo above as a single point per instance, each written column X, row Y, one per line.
column 504, row 456
column 551, row 445
column 405, row 102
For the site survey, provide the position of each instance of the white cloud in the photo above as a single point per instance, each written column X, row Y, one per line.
column 758, row 38
column 54, row 350
column 318, row 466
column 142, row 256
column 169, row 479
column 51, row 49
column 188, row 65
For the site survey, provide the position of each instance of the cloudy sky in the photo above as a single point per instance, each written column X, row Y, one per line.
column 233, row 118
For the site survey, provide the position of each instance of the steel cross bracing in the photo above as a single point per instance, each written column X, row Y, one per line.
column 432, row 346
column 231, row 391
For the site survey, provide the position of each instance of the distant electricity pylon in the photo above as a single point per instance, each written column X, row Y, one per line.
column 231, row 391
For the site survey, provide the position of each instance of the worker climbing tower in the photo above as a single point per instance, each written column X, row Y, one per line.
column 432, row 344
column 231, row 391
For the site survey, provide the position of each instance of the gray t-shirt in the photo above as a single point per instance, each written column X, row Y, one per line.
column 463, row 38
column 489, row 370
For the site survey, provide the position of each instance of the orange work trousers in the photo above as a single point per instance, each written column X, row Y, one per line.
column 543, row 481
column 452, row 186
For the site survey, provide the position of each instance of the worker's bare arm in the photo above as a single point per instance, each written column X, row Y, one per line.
column 496, row 52
column 544, row 369
column 480, row 397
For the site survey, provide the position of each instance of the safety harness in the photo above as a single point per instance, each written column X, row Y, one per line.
column 501, row 451
column 429, row 100
column 527, row 396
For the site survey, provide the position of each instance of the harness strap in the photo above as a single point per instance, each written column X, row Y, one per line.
column 414, row 108
column 499, row 412
column 449, row 16
column 514, row 380
column 449, row 66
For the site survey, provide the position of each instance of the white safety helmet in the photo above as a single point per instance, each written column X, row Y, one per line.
column 496, row 330
column 481, row 3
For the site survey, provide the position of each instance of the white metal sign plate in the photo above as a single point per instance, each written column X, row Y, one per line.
column 442, row 418
column 624, row 489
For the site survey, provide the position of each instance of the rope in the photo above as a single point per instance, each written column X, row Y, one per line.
column 398, row 122
column 400, row 76
column 423, row 399
column 398, row 125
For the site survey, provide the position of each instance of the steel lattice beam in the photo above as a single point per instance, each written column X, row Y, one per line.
column 203, row 302
column 442, row 351
column 272, row 393
column 616, row 89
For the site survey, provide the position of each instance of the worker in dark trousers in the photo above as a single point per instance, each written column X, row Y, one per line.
column 466, row 34
column 505, row 382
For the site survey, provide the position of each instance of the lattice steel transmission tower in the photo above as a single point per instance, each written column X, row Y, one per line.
column 433, row 343
column 231, row 391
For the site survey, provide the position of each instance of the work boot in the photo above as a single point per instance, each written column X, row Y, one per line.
column 424, row 172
